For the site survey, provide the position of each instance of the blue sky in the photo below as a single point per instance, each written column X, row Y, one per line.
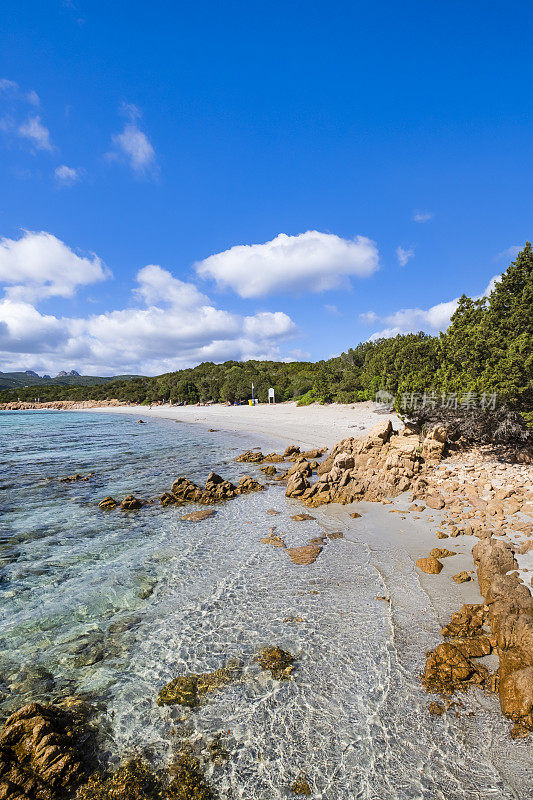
column 185, row 182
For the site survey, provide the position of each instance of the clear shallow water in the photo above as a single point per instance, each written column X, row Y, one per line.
column 117, row 604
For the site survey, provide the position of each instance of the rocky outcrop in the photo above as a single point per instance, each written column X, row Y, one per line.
column 40, row 754
column 216, row 490
column 510, row 616
column 380, row 465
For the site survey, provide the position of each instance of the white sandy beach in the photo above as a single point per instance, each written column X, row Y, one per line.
column 307, row 426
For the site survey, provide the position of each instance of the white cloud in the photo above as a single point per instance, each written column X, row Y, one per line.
column 310, row 261
column 432, row 320
column 368, row 316
column 67, row 176
column 422, row 216
column 509, row 254
column 37, row 133
column 136, row 147
column 404, row 254
column 40, row 265
column 33, row 98
column 333, row 310
column 132, row 145
column 8, row 86
column 175, row 326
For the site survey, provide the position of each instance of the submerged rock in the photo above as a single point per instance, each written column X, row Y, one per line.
column 306, row 554
column 437, row 709
column 301, row 517
column 188, row 690
column 278, row 661
column 301, row 786
column 39, row 754
column 136, row 780
column 198, row 516
column 76, row 477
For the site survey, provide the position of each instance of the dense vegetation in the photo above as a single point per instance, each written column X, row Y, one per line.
column 487, row 349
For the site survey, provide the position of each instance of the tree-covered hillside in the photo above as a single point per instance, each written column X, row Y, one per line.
column 487, row 349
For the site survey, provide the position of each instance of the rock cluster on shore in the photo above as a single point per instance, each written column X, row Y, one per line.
column 381, row 465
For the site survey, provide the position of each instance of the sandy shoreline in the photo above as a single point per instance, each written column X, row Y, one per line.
column 308, row 426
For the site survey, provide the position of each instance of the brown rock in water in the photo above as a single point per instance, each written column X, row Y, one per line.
column 107, row 504
column 40, row 754
column 270, row 470
column 301, row 786
column 437, row 709
column 278, row 661
column 297, row 484
column 131, row 503
column 275, row 541
column 140, row 422
column 448, row 670
column 462, row 577
column 355, row 515
column 441, row 552
column 247, row 484
column 291, row 450
column 76, row 477
column 198, row 516
column 431, row 566
column 273, row 512
column 188, row 690
column 306, row 554
column 170, row 499
column 302, row 517
column 251, row 457
column 335, row 535
column 274, row 458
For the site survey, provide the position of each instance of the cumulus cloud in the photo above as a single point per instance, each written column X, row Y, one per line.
column 67, row 176
column 37, row 133
column 132, row 144
column 174, row 326
column 422, row 216
column 311, row 261
column 40, row 265
column 403, row 254
column 411, row 320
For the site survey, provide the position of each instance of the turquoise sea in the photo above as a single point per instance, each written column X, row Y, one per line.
column 113, row 605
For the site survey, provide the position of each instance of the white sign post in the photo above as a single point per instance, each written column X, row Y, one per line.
column 271, row 398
